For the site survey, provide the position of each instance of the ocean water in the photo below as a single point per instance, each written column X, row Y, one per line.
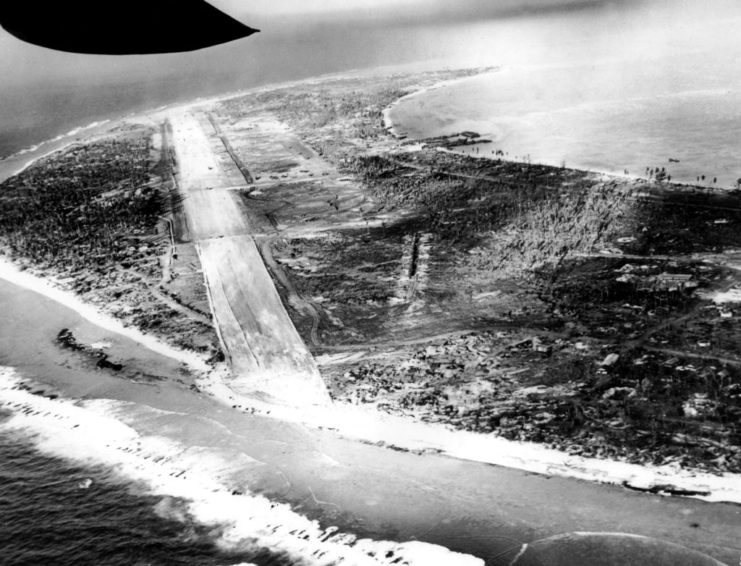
column 101, row 481
column 58, row 513
column 52, row 99
column 49, row 94
column 616, row 86
column 692, row 132
column 134, row 467
column 617, row 92
column 607, row 88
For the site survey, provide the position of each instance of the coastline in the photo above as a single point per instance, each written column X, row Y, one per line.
column 40, row 157
column 47, row 287
column 244, row 455
column 454, row 123
column 370, row 426
column 375, row 427
column 388, row 123
column 402, row 433
column 105, row 124
column 14, row 164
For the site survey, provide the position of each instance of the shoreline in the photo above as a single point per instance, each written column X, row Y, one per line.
column 370, row 426
column 388, row 123
column 376, row 428
column 326, row 469
column 392, row 128
column 31, row 162
column 611, row 175
column 117, row 119
column 46, row 287
column 398, row 433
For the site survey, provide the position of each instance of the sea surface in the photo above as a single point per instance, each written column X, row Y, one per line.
column 623, row 86
column 58, row 513
column 605, row 88
column 136, row 468
column 617, row 92
column 693, row 133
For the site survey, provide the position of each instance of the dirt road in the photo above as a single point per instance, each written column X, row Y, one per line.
column 266, row 353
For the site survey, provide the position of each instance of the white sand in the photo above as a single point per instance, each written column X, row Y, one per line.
column 96, row 432
column 11, row 273
column 367, row 424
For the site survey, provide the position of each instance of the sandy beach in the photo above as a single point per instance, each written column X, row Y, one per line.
column 206, row 430
column 181, row 443
column 369, row 426
column 9, row 272
column 202, row 178
column 376, row 286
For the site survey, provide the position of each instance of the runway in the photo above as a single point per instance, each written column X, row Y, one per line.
column 266, row 354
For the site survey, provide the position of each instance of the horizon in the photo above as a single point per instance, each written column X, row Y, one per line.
column 393, row 281
column 281, row 23
column 61, row 90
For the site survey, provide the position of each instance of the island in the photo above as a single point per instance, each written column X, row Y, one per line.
column 290, row 237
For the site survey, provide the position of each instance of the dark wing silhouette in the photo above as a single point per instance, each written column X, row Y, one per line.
column 120, row 27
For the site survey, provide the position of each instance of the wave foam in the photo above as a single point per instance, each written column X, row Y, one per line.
column 26, row 150
column 89, row 432
column 90, row 126
column 73, row 132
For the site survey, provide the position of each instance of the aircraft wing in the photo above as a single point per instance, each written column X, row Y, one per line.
column 120, row 27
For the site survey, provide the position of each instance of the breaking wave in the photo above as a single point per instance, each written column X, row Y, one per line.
column 90, row 126
column 31, row 149
column 73, row 132
column 93, row 432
